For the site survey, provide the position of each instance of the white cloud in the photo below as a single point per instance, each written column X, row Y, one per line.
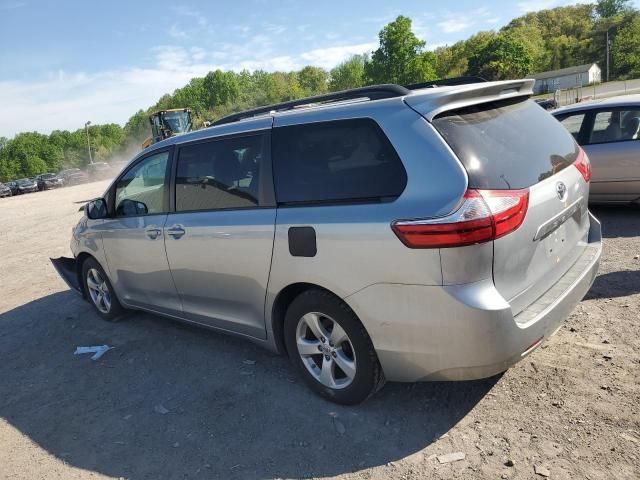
column 274, row 29
column 435, row 46
column 535, row 5
column 455, row 23
column 12, row 5
column 186, row 11
column 177, row 32
column 65, row 100
column 458, row 22
column 331, row 56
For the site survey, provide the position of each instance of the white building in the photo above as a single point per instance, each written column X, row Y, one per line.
column 571, row 77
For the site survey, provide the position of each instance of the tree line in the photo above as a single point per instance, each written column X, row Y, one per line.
column 538, row 41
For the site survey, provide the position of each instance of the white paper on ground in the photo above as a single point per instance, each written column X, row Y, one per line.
column 98, row 351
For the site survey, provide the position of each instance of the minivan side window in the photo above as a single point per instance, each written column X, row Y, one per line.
column 219, row 174
column 336, row 161
column 142, row 190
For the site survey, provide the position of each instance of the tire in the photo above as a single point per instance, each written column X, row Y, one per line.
column 99, row 291
column 339, row 364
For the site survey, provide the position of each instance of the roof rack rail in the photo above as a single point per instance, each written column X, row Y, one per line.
column 374, row 92
column 447, row 82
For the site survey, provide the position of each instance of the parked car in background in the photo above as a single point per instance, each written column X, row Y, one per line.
column 13, row 186
column 609, row 132
column 47, row 181
column 73, row 176
column 379, row 233
column 26, row 185
column 5, row 191
column 99, row 171
column 547, row 103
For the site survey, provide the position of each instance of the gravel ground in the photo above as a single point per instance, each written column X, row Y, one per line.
column 174, row 401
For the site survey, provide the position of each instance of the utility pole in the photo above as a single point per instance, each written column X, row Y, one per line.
column 607, row 54
column 86, row 127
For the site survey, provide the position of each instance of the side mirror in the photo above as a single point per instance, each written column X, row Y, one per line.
column 131, row 208
column 96, row 209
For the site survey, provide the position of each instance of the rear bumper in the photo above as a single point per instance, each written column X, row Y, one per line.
column 66, row 268
column 468, row 331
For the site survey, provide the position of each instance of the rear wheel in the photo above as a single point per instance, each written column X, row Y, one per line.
column 99, row 291
column 331, row 349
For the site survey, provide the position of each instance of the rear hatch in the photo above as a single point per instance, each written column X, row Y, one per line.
column 513, row 144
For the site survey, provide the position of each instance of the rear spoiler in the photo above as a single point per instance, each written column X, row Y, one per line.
column 432, row 102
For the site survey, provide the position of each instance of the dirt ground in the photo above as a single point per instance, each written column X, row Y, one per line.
column 175, row 401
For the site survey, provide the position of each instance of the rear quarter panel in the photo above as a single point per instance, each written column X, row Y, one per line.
column 355, row 244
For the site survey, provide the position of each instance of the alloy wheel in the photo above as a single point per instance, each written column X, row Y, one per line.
column 326, row 350
column 98, row 290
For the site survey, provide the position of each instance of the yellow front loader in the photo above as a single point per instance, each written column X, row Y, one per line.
column 167, row 123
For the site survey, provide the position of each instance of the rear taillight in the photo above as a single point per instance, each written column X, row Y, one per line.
column 583, row 165
column 483, row 216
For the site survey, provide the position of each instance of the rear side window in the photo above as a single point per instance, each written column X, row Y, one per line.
column 615, row 126
column 338, row 161
column 507, row 145
column 220, row 174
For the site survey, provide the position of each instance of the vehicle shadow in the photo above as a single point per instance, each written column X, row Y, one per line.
column 615, row 284
column 170, row 400
column 618, row 221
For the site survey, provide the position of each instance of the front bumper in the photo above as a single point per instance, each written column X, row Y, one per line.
column 66, row 268
column 468, row 331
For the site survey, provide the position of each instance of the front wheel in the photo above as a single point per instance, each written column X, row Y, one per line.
column 331, row 349
column 99, row 291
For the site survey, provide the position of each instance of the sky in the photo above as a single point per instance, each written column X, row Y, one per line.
column 63, row 63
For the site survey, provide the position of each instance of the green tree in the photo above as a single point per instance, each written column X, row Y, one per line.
column 137, row 127
column 530, row 35
column 626, row 48
column 501, row 58
column 313, row 80
column 348, row 74
column 611, row 8
column 220, row 88
column 401, row 57
column 451, row 60
column 191, row 96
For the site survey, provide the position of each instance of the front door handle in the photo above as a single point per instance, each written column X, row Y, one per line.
column 152, row 232
column 176, row 231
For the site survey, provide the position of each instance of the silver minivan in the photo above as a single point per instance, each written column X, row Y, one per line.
column 424, row 233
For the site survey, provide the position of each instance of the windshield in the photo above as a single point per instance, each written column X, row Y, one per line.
column 48, row 176
column 177, row 122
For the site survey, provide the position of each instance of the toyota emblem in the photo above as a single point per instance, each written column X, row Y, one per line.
column 561, row 190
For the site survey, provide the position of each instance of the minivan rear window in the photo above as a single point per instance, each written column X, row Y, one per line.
column 337, row 161
column 510, row 144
